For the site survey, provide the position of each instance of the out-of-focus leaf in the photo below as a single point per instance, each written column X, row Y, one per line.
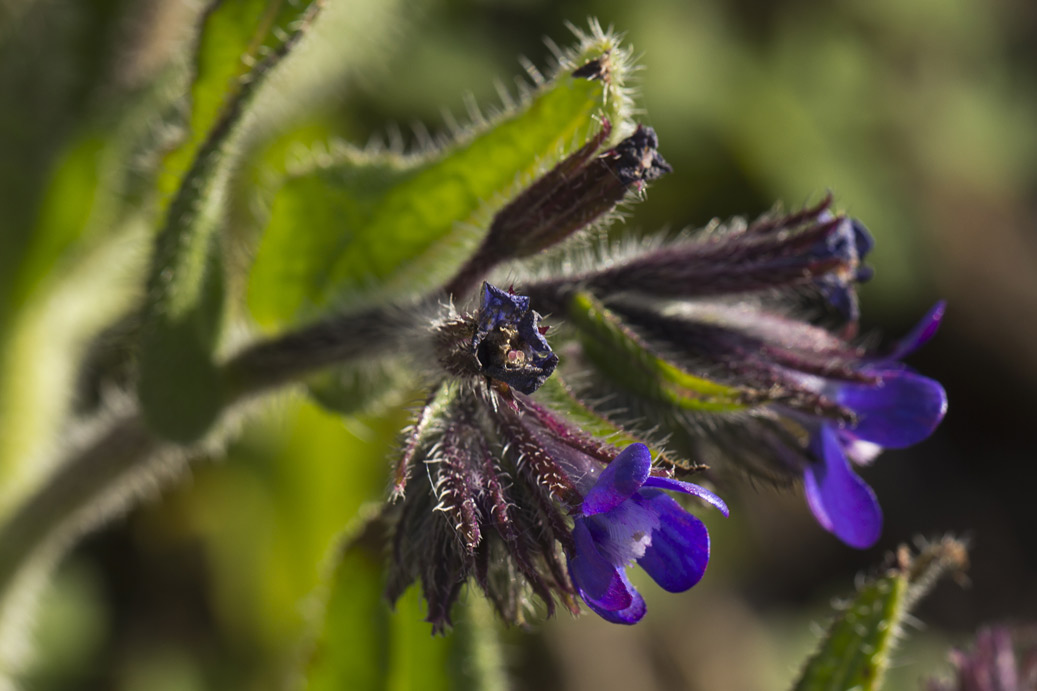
column 51, row 64
column 39, row 366
column 80, row 273
column 271, row 514
column 362, row 644
column 352, row 650
column 620, row 353
column 179, row 388
column 355, row 225
column 856, row 648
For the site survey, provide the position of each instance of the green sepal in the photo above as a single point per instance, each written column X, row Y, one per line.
column 351, row 226
column 559, row 396
column 856, row 648
column 179, row 387
column 621, row 355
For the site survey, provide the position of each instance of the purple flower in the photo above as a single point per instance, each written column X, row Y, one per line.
column 898, row 409
column 624, row 518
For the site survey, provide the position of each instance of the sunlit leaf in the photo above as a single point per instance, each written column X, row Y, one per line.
column 356, row 225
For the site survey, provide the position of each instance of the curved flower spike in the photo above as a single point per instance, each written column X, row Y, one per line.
column 626, row 518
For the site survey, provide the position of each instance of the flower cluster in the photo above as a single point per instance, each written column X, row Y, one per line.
column 497, row 487
column 701, row 336
column 732, row 348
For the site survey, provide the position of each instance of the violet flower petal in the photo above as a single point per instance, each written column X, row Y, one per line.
column 599, row 582
column 687, row 488
column 679, row 552
column 841, row 501
column 900, row 411
column 631, row 614
column 619, row 481
column 529, row 330
column 863, row 239
column 921, row 333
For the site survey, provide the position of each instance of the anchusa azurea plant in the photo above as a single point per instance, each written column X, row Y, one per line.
column 573, row 385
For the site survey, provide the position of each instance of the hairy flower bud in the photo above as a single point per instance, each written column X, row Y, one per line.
column 570, row 196
column 812, row 247
column 504, row 342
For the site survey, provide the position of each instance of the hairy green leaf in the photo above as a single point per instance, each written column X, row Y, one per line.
column 856, row 648
column 179, row 387
column 354, row 225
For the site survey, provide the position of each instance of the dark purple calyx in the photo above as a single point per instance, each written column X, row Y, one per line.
column 508, row 342
column 636, row 159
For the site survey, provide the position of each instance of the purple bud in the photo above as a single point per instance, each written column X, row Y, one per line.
column 807, row 248
column 636, row 159
column 569, row 197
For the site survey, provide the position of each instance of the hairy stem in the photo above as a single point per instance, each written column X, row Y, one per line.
column 97, row 479
column 341, row 339
column 70, row 491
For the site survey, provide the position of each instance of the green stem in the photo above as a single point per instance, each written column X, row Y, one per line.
column 63, row 502
column 98, row 478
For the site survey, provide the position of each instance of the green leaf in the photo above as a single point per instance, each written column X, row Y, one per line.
column 627, row 359
column 855, row 651
column 179, row 388
column 361, row 644
column 355, row 226
column 235, row 36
